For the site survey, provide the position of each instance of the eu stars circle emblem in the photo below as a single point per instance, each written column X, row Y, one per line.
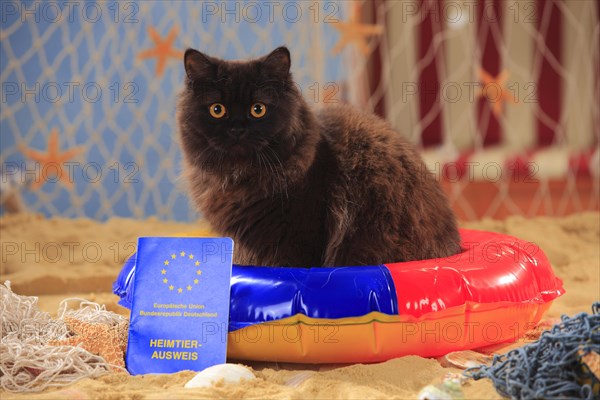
column 180, row 272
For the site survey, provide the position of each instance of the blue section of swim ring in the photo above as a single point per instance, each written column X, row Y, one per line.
column 263, row 294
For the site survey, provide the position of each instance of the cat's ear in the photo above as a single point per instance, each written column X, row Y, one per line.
column 197, row 65
column 279, row 62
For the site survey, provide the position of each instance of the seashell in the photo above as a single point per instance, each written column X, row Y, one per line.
column 467, row 359
column 229, row 373
column 438, row 392
column 455, row 379
column 299, row 378
column 449, row 389
column 534, row 334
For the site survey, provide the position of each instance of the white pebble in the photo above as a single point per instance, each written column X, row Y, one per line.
column 230, row 373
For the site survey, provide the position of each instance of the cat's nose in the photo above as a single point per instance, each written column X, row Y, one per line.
column 237, row 131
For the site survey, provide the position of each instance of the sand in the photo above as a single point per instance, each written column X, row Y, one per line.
column 58, row 258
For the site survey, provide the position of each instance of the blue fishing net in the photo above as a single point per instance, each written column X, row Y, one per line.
column 551, row 367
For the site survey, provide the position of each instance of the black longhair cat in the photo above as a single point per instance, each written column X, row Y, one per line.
column 295, row 187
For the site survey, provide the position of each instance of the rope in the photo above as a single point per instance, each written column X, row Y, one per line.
column 551, row 367
column 27, row 362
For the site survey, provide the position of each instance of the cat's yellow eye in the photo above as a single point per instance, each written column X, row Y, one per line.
column 217, row 110
column 258, row 110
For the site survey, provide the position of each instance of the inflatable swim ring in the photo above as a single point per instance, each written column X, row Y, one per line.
column 496, row 289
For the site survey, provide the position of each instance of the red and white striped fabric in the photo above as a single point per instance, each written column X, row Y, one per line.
column 528, row 74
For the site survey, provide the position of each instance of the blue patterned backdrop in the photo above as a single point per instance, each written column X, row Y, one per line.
column 88, row 107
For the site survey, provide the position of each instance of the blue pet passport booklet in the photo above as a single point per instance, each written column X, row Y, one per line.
column 180, row 311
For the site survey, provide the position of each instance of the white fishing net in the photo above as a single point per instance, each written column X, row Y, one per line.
column 563, row 175
column 28, row 360
column 88, row 74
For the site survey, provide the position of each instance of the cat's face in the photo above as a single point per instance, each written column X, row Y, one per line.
column 238, row 113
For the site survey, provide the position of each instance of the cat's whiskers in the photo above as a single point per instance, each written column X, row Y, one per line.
column 268, row 165
column 225, row 181
column 282, row 180
column 199, row 159
column 265, row 178
column 272, row 175
column 263, row 157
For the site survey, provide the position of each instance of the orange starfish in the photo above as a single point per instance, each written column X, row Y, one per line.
column 355, row 32
column 163, row 49
column 54, row 159
column 108, row 342
column 502, row 94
